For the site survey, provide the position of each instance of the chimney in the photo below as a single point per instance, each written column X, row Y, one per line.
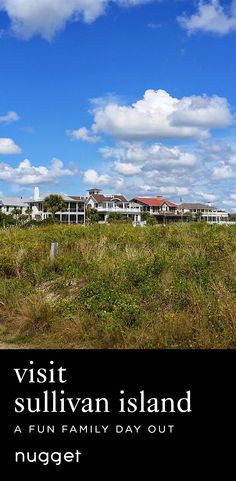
column 36, row 193
column 159, row 196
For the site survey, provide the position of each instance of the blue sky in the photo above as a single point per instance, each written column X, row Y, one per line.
column 129, row 96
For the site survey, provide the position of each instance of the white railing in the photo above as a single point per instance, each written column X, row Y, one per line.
column 40, row 212
column 124, row 210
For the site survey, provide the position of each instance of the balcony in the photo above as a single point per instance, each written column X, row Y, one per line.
column 122, row 210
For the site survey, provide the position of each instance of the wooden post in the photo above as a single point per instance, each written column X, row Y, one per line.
column 54, row 250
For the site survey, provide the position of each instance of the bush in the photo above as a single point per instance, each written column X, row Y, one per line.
column 118, row 218
column 148, row 218
column 6, row 220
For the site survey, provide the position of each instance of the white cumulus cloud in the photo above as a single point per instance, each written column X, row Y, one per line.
column 173, row 190
column 158, row 115
column 92, row 177
column 207, row 197
column 222, row 171
column 150, row 156
column 9, row 117
column 27, row 174
column 150, row 168
column 83, row 134
column 46, row 17
column 126, row 168
column 8, row 147
column 211, row 17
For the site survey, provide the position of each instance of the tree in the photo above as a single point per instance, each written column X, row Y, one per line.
column 198, row 216
column 16, row 212
column 117, row 217
column 23, row 218
column 6, row 220
column 148, row 218
column 54, row 203
column 92, row 215
column 28, row 212
column 189, row 216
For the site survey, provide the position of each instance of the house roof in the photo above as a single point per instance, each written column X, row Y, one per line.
column 77, row 197
column 108, row 198
column 13, row 201
column 154, row 201
column 67, row 198
column 190, row 206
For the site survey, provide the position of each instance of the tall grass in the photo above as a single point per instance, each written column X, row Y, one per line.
column 115, row 286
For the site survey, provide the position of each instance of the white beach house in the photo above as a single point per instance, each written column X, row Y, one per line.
column 108, row 203
column 74, row 212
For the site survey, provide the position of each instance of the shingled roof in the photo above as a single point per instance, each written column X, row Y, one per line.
column 108, row 198
column 189, row 206
column 13, row 201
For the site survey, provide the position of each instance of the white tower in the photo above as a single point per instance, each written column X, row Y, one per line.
column 36, row 193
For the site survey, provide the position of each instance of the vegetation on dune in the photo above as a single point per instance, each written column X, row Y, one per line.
column 116, row 286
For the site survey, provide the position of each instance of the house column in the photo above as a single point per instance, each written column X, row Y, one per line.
column 76, row 213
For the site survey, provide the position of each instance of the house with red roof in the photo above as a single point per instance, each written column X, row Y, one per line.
column 162, row 209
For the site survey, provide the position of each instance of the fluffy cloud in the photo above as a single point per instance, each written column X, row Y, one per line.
column 160, row 116
column 9, row 117
column 222, row 171
column 207, row 197
column 173, row 190
column 92, row 177
column 46, row 17
column 217, row 151
column 26, row 174
column 150, row 156
column 176, row 172
column 83, row 134
column 8, row 146
column 145, row 169
column 126, row 168
column 230, row 203
column 211, row 17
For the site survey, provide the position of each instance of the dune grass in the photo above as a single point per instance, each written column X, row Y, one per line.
column 115, row 286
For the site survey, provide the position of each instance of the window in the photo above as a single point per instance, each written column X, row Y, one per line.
column 64, row 218
column 73, row 207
